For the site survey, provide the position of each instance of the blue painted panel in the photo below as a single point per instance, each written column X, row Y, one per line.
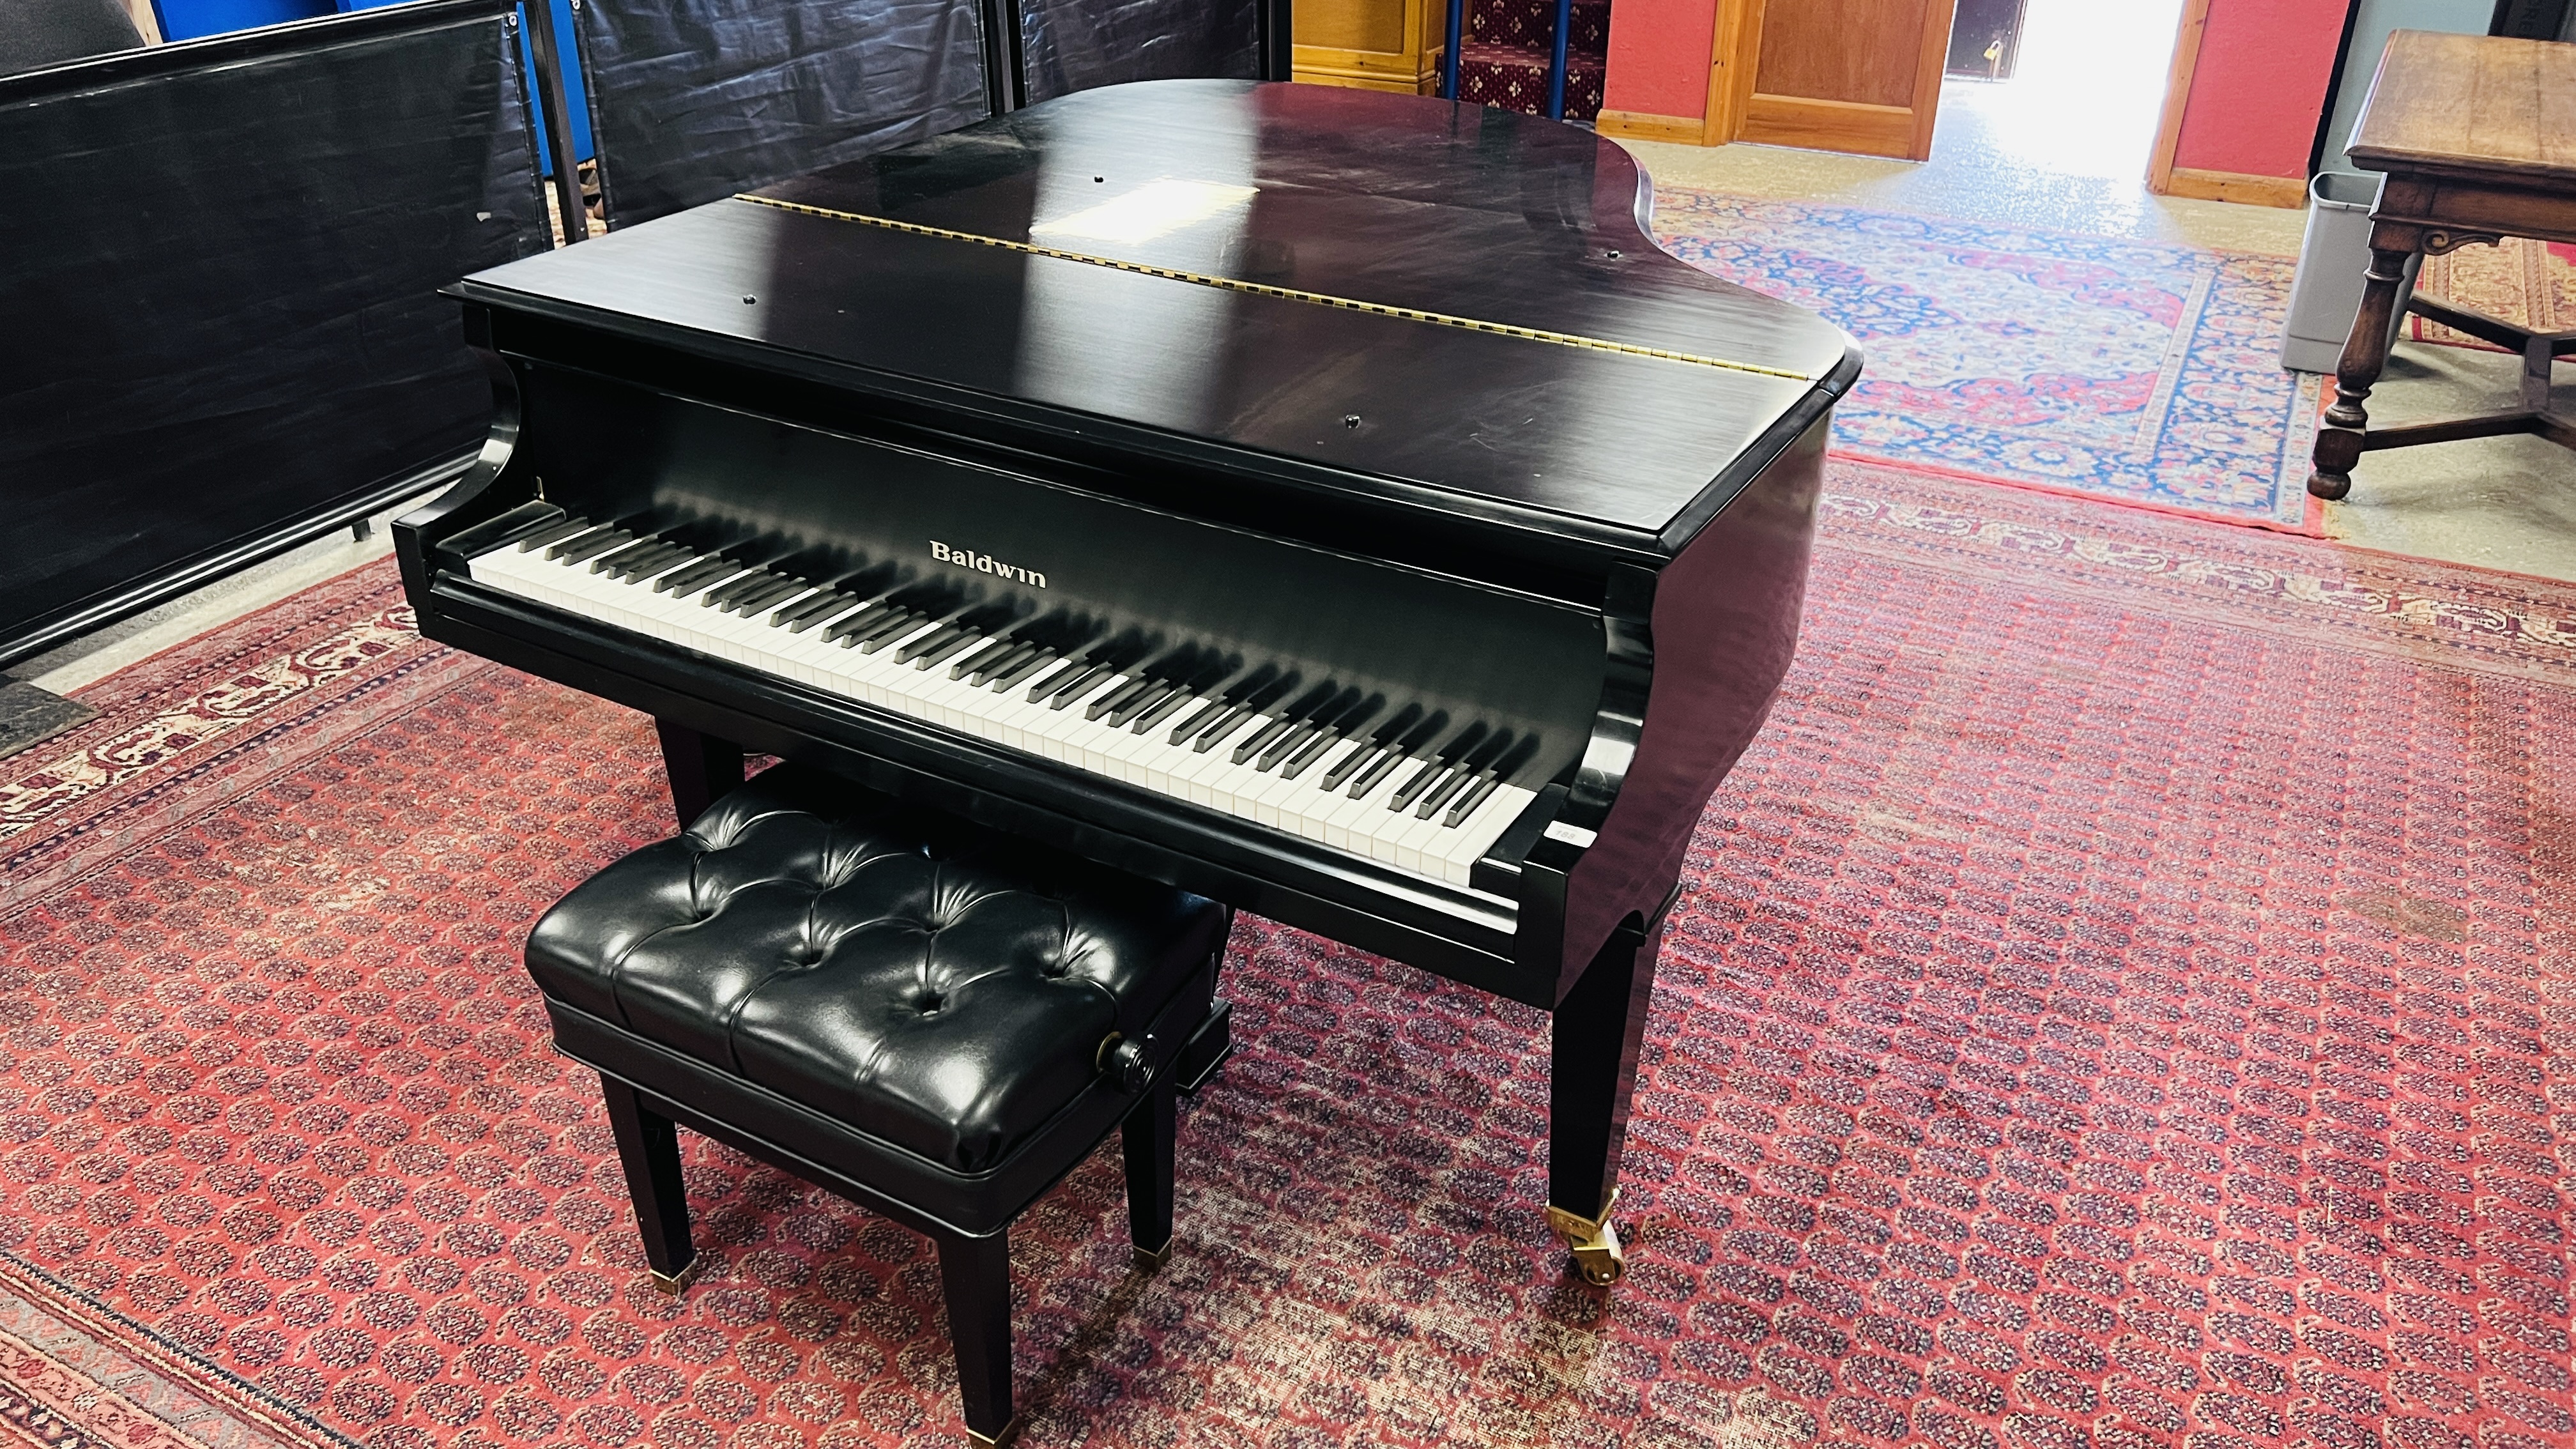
column 576, row 94
column 191, row 19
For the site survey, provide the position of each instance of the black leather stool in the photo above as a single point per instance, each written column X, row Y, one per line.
column 933, row 1021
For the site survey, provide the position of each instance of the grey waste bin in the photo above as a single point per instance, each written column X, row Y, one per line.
column 2326, row 293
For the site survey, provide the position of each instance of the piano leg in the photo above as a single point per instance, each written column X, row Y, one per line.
column 1598, row 1029
column 701, row 768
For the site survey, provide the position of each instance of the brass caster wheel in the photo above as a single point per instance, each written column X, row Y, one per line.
column 1593, row 1242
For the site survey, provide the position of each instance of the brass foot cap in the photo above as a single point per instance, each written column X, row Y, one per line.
column 672, row 1283
column 997, row 1438
column 1592, row 1241
column 1151, row 1258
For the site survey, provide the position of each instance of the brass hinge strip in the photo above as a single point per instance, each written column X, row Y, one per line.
column 1263, row 289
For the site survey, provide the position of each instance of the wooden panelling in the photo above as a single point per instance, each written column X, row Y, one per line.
column 1376, row 25
column 1639, row 126
column 1863, row 51
column 2282, row 191
column 1829, row 125
column 1376, row 45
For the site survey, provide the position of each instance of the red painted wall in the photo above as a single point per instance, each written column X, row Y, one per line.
column 2258, row 88
column 1659, row 54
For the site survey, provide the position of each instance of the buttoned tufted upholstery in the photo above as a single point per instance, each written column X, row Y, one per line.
column 914, row 979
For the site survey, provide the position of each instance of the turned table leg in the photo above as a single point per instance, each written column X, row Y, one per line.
column 2365, row 353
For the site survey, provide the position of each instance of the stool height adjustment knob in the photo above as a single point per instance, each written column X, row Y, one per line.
column 1124, row 1061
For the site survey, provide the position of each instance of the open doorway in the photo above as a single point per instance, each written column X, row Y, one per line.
column 2069, row 88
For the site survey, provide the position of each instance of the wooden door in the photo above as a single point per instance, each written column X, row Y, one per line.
column 1834, row 75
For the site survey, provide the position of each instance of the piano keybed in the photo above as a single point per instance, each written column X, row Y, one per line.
column 1397, row 783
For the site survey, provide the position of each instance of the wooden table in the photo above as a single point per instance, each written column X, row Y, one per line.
column 2478, row 136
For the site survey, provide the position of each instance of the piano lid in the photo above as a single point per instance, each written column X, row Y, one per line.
column 1398, row 201
column 1419, row 297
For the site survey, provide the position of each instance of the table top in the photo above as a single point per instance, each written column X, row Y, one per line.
column 2474, row 107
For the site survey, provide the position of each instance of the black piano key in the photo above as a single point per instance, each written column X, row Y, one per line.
column 589, row 545
column 1219, row 701
column 926, row 643
column 1379, row 741
column 749, row 581
column 1317, row 732
column 986, row 660
column 1400, row 749
column 761, row 601
column 1308, row 721
column 1286, row 744
column 1198, row 719
column 758, row 594
column 1441, row 764
column 1487, row 782
column 554, row 533
column 963, row 641
column 1081, row 677
column 1458, row 778
column 1431, row 770
column 1056, row 678
column 1361, row 753
column 895, row 627
column 645, row 566
column 681, row 584
column 804, row 614
column 1283, row 720
column 1154, row 693
column 1234, row 718
column 849, row 625
column 1118, row 699
column 515, row 529
column 617, row 558
column 1343, row 724
column 1260, row 739
column 1005, row 678
column 1162, row 709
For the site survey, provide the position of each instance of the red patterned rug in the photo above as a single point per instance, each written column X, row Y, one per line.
column 2124, row 1000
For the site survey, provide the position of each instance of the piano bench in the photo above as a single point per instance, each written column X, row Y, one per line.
column 929, row 1019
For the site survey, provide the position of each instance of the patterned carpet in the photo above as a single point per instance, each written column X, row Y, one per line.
column 2136, row 371
column 2124, row 1001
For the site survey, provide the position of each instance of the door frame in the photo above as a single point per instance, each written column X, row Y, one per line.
column 2186, row 56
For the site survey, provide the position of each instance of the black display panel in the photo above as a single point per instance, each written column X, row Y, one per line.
column 221, row 295
column 692, row 100
column 1079, row 45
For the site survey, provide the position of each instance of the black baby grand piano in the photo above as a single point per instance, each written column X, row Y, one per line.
column 1326, row 501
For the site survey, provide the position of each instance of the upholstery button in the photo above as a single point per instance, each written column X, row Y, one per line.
column 931, row 1004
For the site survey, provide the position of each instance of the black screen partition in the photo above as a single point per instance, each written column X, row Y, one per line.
column 1076, row 45
column 220, row 293
column 692, row 100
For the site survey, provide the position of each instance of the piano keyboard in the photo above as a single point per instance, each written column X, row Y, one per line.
column 1398, row 784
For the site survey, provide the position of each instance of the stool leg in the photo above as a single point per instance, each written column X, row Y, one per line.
column 1148, row 1138
column 976, row 1272
column 648, row 1145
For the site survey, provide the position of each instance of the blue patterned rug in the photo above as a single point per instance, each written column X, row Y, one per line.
column 2143, row 372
